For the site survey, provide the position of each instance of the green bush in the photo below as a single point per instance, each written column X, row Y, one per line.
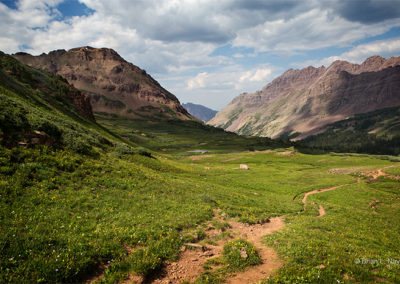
column 124, row 149
column 240, row 254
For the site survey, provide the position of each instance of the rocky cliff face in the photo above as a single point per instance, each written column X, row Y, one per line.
column 300, row 103
column 113, row 84
column 82, row 103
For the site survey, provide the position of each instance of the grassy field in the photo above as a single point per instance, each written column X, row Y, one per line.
column 117, row 200
column 64, row 215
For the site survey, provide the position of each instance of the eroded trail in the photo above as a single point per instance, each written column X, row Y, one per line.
column 375, row 175
column 192, row 257
column 318, row 191
column 269, row 257
column 379, row 173
column 321, row 210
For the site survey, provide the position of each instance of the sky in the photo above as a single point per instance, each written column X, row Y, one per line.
column 207, row 51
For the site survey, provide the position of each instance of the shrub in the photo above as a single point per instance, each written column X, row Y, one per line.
column 240, row 254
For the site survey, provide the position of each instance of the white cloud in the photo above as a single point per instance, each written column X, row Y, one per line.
column 383, row 48
column 357, row 54
column 198, row 81
column 313, row 29
column 256, row 76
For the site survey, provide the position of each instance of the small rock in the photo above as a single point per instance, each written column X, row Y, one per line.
column 197, row 246
column 243, row 253
column 243, row 167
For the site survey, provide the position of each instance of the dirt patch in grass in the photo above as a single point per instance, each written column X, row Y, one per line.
column 200, row 157
column 347, row 171
column 380, row 172
column 286, row 154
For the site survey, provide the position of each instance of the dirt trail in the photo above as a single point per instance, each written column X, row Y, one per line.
column 379, row 173
column 318, row 191
column 189, row 266
column 269, row 257
column 321, row 210
column 375, row 174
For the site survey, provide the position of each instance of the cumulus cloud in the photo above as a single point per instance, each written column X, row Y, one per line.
column 357, row 54
column 198, row 81
column 232, row 76
column 366, row 11
column 171, row 37
column 307, row 31
column 256, row 76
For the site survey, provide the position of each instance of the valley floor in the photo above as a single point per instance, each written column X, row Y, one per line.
column 125, row 217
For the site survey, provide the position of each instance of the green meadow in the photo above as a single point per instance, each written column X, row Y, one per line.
column 64, row 215
column 120, row 197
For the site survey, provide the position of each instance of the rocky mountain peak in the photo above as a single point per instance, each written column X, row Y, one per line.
column 113, row 84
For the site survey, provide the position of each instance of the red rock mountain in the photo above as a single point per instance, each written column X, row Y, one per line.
column 113, row 84
column 300, row 103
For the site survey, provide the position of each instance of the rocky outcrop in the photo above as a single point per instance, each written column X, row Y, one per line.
column 82, row 103
column 302, row 102
column 112, row 84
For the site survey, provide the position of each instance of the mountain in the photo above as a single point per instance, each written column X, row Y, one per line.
column 113, row 84
column 302, row 102
column 199, row 111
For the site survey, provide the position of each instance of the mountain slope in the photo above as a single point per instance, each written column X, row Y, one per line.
column 376, row 132
column 113, row 84
column 300, row 103
column 38, row 107
column 199, row 111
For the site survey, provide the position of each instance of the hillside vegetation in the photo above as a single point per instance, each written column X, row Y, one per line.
column 376, row 132
column 123, row 199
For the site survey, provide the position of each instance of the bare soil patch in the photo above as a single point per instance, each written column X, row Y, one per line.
column 380, row 172
column 200, row 157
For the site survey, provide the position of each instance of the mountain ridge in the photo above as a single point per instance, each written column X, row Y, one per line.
column 301, row 102
column 199, row 111
column 113, row 84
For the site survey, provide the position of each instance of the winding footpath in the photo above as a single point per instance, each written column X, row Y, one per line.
column 375, row 175
column 321, row 209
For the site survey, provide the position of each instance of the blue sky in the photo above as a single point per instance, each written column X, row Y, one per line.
column 207, row 51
